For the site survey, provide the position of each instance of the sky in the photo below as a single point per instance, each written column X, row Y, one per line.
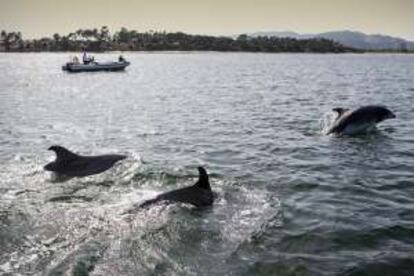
column 37, row 18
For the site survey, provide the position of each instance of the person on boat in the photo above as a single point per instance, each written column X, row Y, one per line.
column 86, row 59
column 121, row 58
column 75, row 60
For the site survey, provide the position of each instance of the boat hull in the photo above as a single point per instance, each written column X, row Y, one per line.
column 95, row 67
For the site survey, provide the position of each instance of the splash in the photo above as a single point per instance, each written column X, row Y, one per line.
column 327, row 121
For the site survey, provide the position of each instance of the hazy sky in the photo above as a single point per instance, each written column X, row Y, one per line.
column 35, row 18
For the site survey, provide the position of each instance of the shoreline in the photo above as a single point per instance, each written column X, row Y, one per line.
column 102, row 41
column 208, row 51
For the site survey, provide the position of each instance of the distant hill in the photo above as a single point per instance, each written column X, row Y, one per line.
column 352, row 39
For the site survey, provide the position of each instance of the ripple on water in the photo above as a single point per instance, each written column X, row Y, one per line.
column 290, row 200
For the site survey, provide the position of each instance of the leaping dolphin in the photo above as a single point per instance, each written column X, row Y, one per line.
column 68, row 164
column 360, row 120
column 199, row 195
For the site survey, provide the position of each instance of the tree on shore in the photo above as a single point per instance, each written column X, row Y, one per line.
column 99, row 40
column 11, row 41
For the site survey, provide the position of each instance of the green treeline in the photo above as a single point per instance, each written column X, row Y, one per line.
column 99, row 40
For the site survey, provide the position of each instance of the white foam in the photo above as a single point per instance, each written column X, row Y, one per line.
column 326, row 122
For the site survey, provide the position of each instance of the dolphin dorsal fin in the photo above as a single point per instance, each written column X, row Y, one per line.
column 203, row 179
column 62, row 153
column 340, row 111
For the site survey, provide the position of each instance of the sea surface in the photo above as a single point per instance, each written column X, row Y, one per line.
column 289, row 199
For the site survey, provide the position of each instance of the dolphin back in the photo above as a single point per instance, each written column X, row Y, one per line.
column 63, row 155
column 199, row 194
column 73, row 165
column 360, row 119
column 88, row 165
column 189, row 195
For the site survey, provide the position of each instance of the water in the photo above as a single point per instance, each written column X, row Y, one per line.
column 290, row 201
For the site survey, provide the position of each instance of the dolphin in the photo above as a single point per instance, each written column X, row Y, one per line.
column 68, row 164
column 199, row 194
column 360, row 120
